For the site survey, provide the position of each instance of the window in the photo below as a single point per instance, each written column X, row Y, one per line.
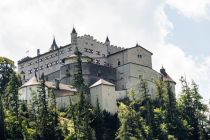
column 109, row 53
column 118, row 63
column 69, row 49
column 85, row 49
column 41, row 67
column 103, row 55
column 30, row 71
column 97, row 61
column 90, row 51
column 61, row 52
column 47, row 66
column 98, row 53
column 139, row 56
column 86, row 43
column 91, row 44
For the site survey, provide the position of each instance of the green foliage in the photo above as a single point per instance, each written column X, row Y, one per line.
column 139, row 117
column 6, row 68
column 132, row 124
column 192, row 109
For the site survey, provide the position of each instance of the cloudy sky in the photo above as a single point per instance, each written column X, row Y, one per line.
column 176, row 31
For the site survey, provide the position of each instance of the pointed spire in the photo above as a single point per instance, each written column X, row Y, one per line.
column 74, row 31
column 54, row 45
column 107, row 39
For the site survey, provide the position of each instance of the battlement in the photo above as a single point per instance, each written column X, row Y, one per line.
column 89, row 37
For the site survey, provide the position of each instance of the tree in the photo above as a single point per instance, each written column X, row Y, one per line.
column 191, row 108
column 12, row 93
column 55, row 131
column 82, row 115
column 15, row 130
column 43, row 128
column 132, row 125
column 6, row 68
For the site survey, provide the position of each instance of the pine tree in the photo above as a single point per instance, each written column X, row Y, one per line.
column 132, row 125
column 6, row 68
column 15, row 131
column 12, row 93
column 191, row 106
column 82, row 113
column 55, row 131
column 43, row 110
column 147, row 106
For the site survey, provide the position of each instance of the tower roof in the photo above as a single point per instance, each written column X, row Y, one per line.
column 102, row 82
column 107, row 39
column 54, row 45
column 73, row 31
column 165, row 75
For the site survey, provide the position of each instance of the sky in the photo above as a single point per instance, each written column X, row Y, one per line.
column 176, row 31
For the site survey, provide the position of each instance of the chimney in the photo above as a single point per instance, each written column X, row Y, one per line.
column 38, row 52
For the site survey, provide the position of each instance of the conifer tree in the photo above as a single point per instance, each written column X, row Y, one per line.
column 6, row 68
column 15, row 131
column 132, row 125
column 82, row 112
column 43, row 110
column 12, row 93
column 191, row 106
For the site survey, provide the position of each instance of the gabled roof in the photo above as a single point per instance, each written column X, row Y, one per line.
column 130, row 49
column 33, row 81
column 102, row 82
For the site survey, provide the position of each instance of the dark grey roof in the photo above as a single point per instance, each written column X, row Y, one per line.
column 24, row 59
column 54, row 45
column 73, row 31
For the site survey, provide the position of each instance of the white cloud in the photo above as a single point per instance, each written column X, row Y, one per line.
column 195, row 9
column 28, row 25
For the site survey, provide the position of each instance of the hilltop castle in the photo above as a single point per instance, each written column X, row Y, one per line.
column 108, row 70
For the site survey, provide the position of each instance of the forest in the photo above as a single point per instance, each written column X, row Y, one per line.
column 167, row 117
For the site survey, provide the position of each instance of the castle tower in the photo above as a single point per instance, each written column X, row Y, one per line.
column 54, row 45
column 107, row 42
column 74, row 37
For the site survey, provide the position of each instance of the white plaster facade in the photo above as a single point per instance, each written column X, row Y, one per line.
column 131, row 65
column 63, row 94
column 105, row 93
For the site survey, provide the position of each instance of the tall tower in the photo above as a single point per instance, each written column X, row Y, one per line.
column 107, row 42
column 74, row 37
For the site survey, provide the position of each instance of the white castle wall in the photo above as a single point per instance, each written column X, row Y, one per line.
column 106, row 96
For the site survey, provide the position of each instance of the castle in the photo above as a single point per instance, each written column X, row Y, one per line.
column 103, row 65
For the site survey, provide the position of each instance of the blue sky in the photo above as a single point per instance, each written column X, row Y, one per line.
column 176, row 31
column 190, row 35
